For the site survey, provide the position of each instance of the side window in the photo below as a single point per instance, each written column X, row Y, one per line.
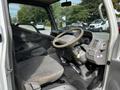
column 30, row 17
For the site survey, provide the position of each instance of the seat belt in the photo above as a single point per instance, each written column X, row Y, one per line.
column 32, row 86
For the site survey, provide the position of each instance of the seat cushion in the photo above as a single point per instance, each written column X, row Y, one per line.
column 40, row 69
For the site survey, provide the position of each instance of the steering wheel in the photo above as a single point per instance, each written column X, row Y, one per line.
column 65, row 39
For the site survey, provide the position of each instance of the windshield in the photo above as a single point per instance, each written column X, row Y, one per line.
column 80, row 14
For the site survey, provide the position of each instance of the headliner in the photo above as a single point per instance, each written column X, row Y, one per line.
column 47, row 2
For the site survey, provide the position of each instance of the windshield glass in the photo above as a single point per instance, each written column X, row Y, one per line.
column 80, row 14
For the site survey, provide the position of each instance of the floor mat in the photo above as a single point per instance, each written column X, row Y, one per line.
column 56, row 84
column 74, row 78
column 70, row 77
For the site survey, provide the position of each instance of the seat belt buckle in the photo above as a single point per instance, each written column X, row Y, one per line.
column 35, row 86
column 32, row 86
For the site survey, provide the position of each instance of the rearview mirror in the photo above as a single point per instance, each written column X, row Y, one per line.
column 68, row 3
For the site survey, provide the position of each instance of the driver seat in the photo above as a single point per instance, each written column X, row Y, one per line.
column 39, row 69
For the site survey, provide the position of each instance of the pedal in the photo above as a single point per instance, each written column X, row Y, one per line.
column 84, row 70
column 75, row 68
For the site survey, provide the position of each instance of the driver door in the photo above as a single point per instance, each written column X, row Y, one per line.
column 113, row 81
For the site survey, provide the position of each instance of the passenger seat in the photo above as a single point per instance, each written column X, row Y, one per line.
column 38, row 70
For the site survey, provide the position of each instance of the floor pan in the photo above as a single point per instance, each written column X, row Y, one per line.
column 74, row 78
column 64, row 87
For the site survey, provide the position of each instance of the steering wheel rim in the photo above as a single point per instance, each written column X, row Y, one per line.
column 69, row 43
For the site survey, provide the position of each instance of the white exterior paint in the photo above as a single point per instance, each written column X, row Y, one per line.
column 113, row 35
column 3, row 50
column 3, row 45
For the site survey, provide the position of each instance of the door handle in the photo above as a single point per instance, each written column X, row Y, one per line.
column 0, row 38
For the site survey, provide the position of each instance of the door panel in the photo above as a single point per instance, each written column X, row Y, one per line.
column 113, row 82
column 26, row 41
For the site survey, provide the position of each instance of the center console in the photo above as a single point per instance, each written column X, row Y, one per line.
column 96, row 51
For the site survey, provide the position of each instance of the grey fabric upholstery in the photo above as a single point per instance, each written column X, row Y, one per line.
column 40, row 69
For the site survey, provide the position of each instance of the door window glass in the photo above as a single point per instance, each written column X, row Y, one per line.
column 30, row 17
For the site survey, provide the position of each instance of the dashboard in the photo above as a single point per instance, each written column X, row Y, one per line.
column 97, row 49
column 95, row 45
column 91, row 47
